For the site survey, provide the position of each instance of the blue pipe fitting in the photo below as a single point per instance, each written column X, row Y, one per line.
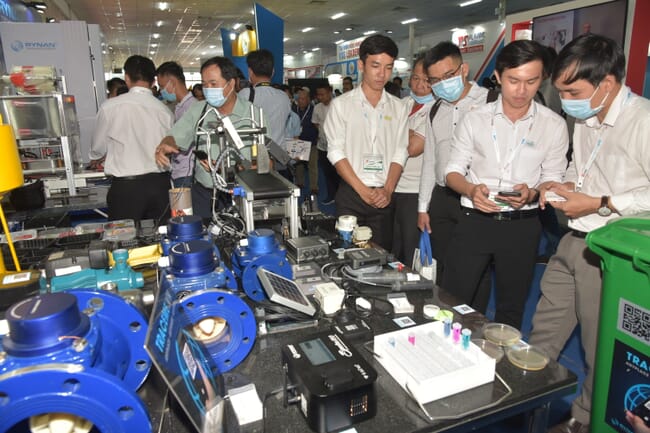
column 263, row 250
column 79, row 353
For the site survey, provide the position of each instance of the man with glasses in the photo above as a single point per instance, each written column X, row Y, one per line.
column 502, row 152
column 438, row 205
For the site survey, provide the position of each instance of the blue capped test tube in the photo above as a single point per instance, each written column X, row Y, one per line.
column 447, row 324
column 466, row 335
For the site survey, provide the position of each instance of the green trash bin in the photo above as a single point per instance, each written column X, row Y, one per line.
column 622, row 370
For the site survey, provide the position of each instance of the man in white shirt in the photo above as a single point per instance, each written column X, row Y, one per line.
column 171, row 82
column 406, row 235
column 438, row 205
column 609, row 176
column 367, row 137
column 501, row 152
column 327, row 174
column 128, row 129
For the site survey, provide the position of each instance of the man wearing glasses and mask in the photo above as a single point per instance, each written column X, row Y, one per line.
column 438, row 205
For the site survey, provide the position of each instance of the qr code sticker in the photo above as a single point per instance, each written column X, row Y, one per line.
column 634, row 321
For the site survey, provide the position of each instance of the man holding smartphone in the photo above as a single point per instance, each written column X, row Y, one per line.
column 608, row 177
column 501, row 152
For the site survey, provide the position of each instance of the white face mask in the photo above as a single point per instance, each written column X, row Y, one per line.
column 214, row 96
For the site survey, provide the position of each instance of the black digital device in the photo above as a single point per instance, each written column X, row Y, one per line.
column 510, row 193
column 643, row 411
column 201, row 155
column 335, row 382
column 363, row 257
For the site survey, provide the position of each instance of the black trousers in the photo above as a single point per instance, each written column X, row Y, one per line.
column 328, row 172
column 380, row 221
column 406, row 235
column 511, row 246
column 139, row 197
column 444, row 213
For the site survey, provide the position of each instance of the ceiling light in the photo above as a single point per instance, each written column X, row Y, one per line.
column 233, row 36
column 347, row 29
column 369, row 32
column 203, row 53
column 41, row 6
column 159, row 23
column 470, row 2
column 307, row 29
column 236, row 26
column 285, row 39
column 338, row 15
column 192, row 63
column 411, row 20
column 212, row 47
column 390, row 32
column 103, row 51
column 197, row 58
column 307, row 54
column 456, row 29
column 155, row 35
column 315, row 49
column 163, row 6
column 337, row 32
column 340, row 41
column 305, row 51
column 40, row 11
column 152, row 52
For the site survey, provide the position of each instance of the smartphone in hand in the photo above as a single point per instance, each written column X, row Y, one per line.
column 510, row 193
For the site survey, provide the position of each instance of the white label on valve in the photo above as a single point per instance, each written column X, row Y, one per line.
column 189, row 360
column 16, row 278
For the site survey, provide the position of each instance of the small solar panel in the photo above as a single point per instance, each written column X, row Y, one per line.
column 285, row 292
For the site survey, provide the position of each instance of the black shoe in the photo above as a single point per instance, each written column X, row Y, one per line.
column 570, row 426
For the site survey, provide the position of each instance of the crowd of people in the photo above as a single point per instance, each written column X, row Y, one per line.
column 471, row 167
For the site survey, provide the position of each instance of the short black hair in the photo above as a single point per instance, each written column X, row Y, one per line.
column 392, row 88
column 398, row 78
column 592, row 57
column 173, row 69
column 140, row 68
column 115, row 83
column 377, row 44
column 348, row 78
column 518, row 53
column 260, row 62
column 323, row 85
column 419, row 59
column 228, row 68
column 441, row 51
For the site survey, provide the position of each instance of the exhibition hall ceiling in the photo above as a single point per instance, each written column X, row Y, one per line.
column 188, row 31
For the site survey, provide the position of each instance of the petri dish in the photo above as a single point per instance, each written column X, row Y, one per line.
column 527, row 357
column 501, row 334
column 492, row 350
column 444, row 314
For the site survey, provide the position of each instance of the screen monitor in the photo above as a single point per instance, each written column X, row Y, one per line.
column 558, row 29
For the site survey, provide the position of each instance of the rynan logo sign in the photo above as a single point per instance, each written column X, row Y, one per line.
column 18, row 46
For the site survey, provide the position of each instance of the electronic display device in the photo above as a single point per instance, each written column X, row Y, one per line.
column 366, row 257
column 307, row 248
column 335, row 383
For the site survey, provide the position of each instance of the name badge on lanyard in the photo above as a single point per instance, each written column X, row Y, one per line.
column 373, row 163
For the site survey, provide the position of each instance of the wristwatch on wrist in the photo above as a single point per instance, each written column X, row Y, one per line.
column 604, row 210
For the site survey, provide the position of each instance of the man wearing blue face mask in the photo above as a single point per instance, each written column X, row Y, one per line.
column 405, row 233
column 609, row 176
column 171, row 81
column 218, row 76
column 438, row 205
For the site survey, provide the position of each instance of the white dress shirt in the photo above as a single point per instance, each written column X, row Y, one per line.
column 127, row 131
column 438, row 137
column 409, row 181
column 356, row 129
column 531, row 150
column 318, row 118
column 621, row 169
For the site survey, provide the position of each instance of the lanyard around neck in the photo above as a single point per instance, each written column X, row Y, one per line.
column 592, row 158
column 512, row 152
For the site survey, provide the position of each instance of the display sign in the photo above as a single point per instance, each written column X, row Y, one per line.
column 471, row 43
column 349, row 49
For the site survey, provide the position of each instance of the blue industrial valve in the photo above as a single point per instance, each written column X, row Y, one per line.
column 73, row 359
column 190, row 228
column 263, row 250
column 218, row 318
column 120, row 275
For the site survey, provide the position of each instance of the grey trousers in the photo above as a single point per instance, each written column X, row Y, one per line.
column 571, row 288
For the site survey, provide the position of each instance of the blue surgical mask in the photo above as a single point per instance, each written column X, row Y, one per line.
column 422, row 99
column 214, row 96
column 449, row 89
column 167, row 96
column 581, row 108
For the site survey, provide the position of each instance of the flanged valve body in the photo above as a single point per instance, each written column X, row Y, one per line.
column 261, row 250
column 73, row 359
column 218, row 318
